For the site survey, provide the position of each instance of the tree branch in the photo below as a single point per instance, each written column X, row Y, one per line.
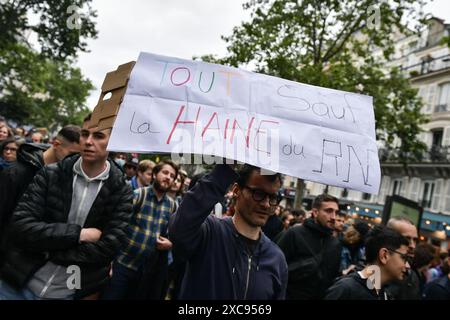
column 322, row 33
column 333, row 50
column 314, row 39
column 329, row 53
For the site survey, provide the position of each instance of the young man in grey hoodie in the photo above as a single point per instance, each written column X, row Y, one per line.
column 68, row 226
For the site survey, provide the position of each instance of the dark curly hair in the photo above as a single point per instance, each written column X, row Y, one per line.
column 382, row 237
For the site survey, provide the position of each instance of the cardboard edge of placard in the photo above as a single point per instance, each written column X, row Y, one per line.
column 106, row 110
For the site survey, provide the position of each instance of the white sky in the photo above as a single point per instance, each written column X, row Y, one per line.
column 177, row 28
column 169, row 27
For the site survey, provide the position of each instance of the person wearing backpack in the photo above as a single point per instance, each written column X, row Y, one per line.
column 147, row 242
column 312, row 253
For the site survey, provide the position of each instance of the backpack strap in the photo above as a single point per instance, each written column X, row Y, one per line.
column 316, row 256
column 173, row 205
column 142, row 194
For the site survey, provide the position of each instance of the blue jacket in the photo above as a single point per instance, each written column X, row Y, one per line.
column 347, row 259
column 5, row 164
column 218, row 266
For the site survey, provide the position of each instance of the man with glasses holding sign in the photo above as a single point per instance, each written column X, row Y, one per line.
column 229, row 258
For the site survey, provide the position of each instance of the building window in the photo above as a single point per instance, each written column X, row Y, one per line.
column 427, row 194
column 344, row 193
column 413, row 45
column 436, row 151
column 366, row 196
column 437, row 137
column 444, row 98
column 426, row 64
column 397, row 187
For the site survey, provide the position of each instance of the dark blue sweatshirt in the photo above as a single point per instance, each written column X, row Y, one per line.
column 218, row 265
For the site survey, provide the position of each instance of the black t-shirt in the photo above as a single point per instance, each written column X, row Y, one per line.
column 249, row 244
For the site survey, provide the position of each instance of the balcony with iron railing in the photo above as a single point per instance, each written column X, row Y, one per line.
column 427, row 66
column 441, row 108
column 435, row 154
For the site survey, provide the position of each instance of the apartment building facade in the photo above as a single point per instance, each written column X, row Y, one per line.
column 426, row 62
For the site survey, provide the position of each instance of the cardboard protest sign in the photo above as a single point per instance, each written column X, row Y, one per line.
column 190, row 107
column 113, row 90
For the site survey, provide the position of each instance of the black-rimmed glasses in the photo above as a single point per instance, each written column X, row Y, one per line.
column 404, row 256
column 260, row 195
column 6, row 149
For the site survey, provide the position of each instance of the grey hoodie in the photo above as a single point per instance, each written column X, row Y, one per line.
column 50, row 282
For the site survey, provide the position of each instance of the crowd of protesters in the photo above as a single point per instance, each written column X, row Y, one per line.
column 139, row 229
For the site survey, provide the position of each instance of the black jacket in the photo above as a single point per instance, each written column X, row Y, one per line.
column 218, row 266
column 15, row 179
column 273, row 227
column 310, row 276
column 438, row 289
column 353, row 287
column 39, row 231
column 407, row 289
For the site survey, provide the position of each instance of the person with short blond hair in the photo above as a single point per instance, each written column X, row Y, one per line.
column 144, row 176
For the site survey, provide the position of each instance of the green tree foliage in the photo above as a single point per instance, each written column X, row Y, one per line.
column 38, row 84
column 55, row 30
column 39, row 91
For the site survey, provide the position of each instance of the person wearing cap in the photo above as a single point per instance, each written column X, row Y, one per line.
column 130, row 168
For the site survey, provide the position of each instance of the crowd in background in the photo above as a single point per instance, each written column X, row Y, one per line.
column 164, row 239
